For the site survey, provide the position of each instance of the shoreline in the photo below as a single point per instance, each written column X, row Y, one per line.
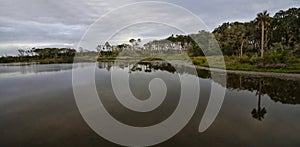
column 281, row 75
column 213, row 69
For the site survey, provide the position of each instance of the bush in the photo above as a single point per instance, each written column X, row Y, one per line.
column 244, row 59
column 277, row 56
column 200, row 61
column 255, row 59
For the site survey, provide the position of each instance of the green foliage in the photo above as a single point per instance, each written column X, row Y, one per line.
column 282, row 28
column 255, row 60
column 201, row 61
column 277, row 56
column 244, row 59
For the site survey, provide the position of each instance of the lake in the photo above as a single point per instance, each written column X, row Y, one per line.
column 37, row 106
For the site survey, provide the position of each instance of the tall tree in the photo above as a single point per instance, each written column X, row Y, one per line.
column 263, row 19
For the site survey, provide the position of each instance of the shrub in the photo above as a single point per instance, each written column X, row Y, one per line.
column 255, row 59
column 277, row 56
column 244, row 59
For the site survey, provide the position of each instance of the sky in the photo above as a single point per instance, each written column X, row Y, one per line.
column 67, row 23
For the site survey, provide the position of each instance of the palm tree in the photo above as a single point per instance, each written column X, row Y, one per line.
column 263, row 19
column 259, row 113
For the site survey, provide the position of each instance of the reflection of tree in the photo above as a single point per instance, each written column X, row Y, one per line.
column 108, row 67
column 279, row 90
column 153, row 66
column 284, row 91
column 105, row 65
column 259, row 112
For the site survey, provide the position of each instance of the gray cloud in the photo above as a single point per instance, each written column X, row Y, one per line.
column 43, row 23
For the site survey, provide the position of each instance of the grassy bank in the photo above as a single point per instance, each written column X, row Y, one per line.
column 250, row 64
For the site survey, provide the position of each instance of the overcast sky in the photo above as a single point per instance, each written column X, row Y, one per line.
column 62, row 23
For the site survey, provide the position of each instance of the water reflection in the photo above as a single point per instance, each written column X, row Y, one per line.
column 153, row 66
column 279, row 90
column 43, row 108
column 11, row 70
column 259, row 113
column 285, row 91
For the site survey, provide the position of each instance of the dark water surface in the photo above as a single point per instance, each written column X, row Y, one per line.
column 37, row 107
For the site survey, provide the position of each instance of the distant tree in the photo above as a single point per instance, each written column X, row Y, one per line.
column 138, row 41
column 80, row 50
column 132, row 41
column 135, row 42
column 21, row 52
column 107, row 46
column 286, row 30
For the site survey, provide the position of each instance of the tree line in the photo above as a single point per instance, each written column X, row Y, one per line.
column 47, row 55
column 263, row 35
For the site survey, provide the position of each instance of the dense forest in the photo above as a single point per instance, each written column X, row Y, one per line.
column 264, row 35
column 276, row 37
column 265, row 42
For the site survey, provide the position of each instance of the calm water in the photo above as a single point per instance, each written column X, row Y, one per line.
column 37, row 107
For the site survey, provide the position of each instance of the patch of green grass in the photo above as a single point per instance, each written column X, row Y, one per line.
column 152, row 59
column 248, row 64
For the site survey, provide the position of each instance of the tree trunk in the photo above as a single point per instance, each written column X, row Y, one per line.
column 241, row 51
column 262, row 39
column 266, row 40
